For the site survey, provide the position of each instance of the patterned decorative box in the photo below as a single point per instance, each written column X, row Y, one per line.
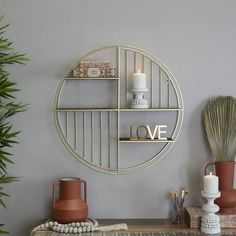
column 94, row 69
column 94, row 72
column 194, row 215
column 95, row 64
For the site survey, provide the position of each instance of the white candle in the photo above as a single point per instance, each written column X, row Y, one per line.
column 211, row 184
column 139, row 80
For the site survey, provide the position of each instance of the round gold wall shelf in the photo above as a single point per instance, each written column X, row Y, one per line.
column 93, row 115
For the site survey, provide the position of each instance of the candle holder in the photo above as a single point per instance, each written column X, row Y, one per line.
column 139, row 100
column 210, row 221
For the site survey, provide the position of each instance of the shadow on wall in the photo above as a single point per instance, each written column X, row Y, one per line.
column 32, row 195
column 199, row 154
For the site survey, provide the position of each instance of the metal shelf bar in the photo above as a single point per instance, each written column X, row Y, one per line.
column 160, row 87
column 118, row 144
column 143, row 63
column 100, row 138
column 126, row 77
column 151, row 110
column 115, row 110
column 75, row 130
column 109, row 139
column 135, row 62
column 72, row 109
column 118, row 113
column 168, row 92
column 152, row 85
column 91, row 78
column 84, row 132
column 66, row 128
column 92, row 138
column 128, row 140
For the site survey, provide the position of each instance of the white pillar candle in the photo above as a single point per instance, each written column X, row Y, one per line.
column 139, row 80
column 210, row 184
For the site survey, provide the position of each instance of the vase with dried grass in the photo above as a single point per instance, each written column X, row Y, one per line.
column 219, row 121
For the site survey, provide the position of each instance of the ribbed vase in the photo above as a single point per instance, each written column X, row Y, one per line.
column 227, row 201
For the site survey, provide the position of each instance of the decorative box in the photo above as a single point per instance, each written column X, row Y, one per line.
column 94, row 72
column 95, row 64
column 194, row 215
column 94, row 69
column 111, row 72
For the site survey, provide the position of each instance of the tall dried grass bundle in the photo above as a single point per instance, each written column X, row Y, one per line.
column 219, row 119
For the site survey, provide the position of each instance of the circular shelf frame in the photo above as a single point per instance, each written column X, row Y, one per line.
column 139, row 166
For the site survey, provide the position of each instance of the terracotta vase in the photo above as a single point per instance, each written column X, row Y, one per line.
column 225, row 172
column 70, row 207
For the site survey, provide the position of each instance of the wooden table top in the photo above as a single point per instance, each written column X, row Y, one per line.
column 142, row 226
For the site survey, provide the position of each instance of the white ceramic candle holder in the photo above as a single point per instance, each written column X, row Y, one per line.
column 210, row 221
column 139, row 100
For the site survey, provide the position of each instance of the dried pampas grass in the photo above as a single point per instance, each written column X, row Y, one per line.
column 219, row 120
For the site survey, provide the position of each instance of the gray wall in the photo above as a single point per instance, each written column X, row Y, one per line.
column 195, row 39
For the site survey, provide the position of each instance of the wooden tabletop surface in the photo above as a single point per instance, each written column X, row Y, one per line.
column 143, row 225
column 153, row 225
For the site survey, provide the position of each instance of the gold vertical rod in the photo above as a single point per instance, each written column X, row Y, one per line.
column 92, row 134
column 135, row 62
column 118, row 143
column 118, row 87
column 118, row 112
column 152, row 85
column 75, row 132
column 126, row 77
column 118, row 61
column 160, row 87
column 143, row 63
column 109, row 139
column 100, row 138
column 168, row 92
column 66, row 128
column 84, row 132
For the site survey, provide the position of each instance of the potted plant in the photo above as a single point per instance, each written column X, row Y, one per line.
column 8, row 108
column 219, row 121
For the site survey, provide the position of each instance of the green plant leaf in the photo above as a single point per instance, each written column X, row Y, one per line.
column 8, row 179
column 7, row 109
column 3, row 231
column 4, row 194
column 2, row 203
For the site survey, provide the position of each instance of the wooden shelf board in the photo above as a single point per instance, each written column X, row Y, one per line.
column 116, row 109
column 150, row 109
column 128, row 140
column 85, row 109
column 97, row 78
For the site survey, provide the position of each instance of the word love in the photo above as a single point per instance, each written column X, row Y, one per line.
column 144, row 132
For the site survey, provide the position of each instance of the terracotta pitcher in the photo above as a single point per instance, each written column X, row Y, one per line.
column 225, row 172
column 70, row 207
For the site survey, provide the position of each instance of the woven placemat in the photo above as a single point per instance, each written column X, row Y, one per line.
column 159, row 234
column 51, row 233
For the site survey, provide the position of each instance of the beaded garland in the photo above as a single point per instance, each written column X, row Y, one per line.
column 89, row 225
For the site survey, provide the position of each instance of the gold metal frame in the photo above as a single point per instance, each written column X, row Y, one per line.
column 72, row 147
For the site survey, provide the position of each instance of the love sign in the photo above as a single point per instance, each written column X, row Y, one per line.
column 145, row 132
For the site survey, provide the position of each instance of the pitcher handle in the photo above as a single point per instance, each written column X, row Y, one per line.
column 209, row 164
column 53, row 192
column 85, row 190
